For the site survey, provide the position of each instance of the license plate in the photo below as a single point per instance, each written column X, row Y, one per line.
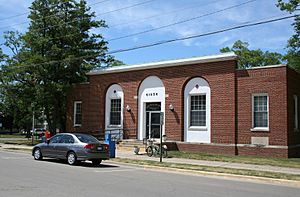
column 99, row 148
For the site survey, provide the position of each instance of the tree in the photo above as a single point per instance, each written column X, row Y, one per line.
column 293, row 54
column 58, row 49
column 252, row 58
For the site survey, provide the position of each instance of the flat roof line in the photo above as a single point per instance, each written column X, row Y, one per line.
column 262, row 67
column 168, row 63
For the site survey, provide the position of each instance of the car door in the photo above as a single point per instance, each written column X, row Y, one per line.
column 49, row 149
column 64, row 145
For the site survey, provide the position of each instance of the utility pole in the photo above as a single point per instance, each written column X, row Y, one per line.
column 161, row 123
column 32, row 138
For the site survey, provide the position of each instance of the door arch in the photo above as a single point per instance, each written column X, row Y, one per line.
column 151, row 90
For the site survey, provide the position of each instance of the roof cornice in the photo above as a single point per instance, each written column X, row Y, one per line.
column 164, row 64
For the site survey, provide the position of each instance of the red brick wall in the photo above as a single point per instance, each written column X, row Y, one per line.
column 231, row 105
column 230, row 150
column 79, row 93
column 293, row 89
column 206, row 148
column 220, row 76
column 263, row 80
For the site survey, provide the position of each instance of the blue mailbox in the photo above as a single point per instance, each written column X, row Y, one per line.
column 112, row 145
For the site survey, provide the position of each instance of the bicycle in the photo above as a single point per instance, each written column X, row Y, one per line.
column 154, row 149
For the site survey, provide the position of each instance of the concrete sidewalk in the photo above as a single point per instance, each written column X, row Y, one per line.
column 266, row 168
column 130, row 155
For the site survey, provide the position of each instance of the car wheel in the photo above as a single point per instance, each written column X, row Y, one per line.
column 37, row 154
column 96, row 162
column 71, row 158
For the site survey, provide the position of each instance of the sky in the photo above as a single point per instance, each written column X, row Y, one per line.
column 127, row 17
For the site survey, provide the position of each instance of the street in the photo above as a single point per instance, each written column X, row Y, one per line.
column 20, row 175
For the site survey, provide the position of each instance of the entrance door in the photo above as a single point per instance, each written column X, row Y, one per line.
column 153, row 120
column 152, row 125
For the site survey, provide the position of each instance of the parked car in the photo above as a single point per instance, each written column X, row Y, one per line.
column 38, row 131
column 72, row 147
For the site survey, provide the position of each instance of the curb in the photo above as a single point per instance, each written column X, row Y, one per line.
column 274, row 181
column 254, row 179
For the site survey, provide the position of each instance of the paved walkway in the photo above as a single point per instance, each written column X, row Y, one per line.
column 130, row 155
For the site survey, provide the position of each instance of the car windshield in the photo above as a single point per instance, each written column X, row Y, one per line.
column 86, row 138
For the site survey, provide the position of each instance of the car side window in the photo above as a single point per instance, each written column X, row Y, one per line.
column 67, row 139
column 55, row 139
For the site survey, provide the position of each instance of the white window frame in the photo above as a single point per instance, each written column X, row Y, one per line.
column 296, row 117
column 118, row 125
column 201, row 128
column 115, row 91
column 268, row 110
column 199, row 134
column 74, row 113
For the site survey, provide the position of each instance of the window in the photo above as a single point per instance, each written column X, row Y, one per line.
column 86, row 138
column 77, row 113
column 115, row 112
column 114, row 106
column 55, row 139
column 67, row 139
column 296, row 120
column 260, row 108
column 198, row 110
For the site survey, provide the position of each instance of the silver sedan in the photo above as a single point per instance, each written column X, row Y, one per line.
column 73, row 147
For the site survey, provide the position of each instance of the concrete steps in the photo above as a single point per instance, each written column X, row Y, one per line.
column 129, row 145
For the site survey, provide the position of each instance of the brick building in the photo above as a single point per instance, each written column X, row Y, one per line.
column 208, row 105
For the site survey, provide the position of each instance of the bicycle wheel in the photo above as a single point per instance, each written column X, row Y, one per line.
column 164, row 152
column 149, row 151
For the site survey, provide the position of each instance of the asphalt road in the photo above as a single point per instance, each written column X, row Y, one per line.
column 20, row 175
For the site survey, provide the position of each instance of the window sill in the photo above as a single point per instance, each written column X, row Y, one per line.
column 77, row 125
column 264, row 129
column 194, row 128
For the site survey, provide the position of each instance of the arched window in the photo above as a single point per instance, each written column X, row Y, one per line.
column 114, row 107
column 197, row 111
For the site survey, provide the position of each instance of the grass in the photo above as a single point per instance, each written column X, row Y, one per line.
column 19, row 149
column 254, row 173
column 20, row 142
column 280, row 162
column 11, row 136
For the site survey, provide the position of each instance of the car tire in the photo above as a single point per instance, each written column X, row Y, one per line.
column 72, row 158
column 96, row 162
column 37, row 154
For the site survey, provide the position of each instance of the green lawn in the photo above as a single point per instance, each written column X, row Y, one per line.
column 281, row 162
column 12, row 136
column 20, row 142
column 212, row 169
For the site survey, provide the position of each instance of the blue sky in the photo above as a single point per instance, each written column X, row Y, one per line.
column 156, row 13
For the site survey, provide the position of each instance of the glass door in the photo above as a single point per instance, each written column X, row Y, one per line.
column 154, row 125
column 153, row 120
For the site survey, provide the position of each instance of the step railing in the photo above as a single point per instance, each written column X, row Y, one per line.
column 116, row 134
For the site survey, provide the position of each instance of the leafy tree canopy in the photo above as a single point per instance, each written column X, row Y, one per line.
column 252, row 58
column 60, row 46
column 293, row 55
